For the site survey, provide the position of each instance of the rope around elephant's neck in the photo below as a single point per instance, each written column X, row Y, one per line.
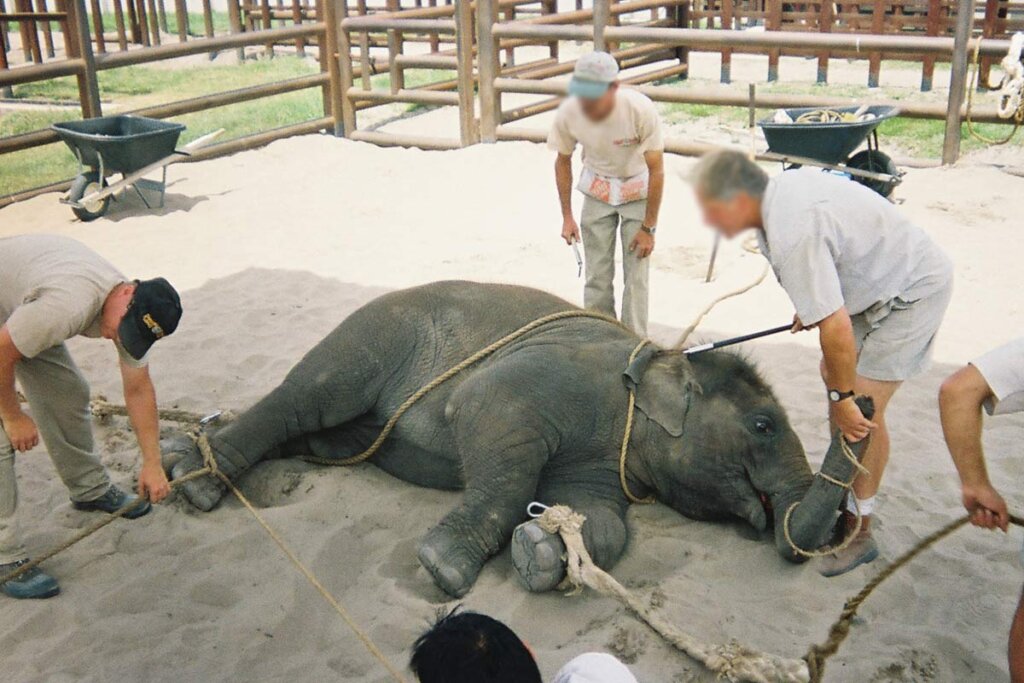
column 627, row 432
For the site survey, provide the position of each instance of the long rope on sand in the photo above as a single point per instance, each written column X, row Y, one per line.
column 733, row 661
column 103, row 409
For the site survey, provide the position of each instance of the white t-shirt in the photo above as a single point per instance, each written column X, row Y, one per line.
column 614, row 147
column 833, row 242
column 53, row 288
column 1003, row 369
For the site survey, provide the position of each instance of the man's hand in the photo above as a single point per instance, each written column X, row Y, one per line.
column 642, row 245
column 986, row 507
column 798, row 325
column 153, row 483
column 570, row 230
column 851, row 421
column 21, row 431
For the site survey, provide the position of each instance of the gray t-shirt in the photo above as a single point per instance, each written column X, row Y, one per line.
column 53, row 288
column 833, row 242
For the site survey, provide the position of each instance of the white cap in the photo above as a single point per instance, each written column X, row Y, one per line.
column 594, row 667
column 593, row 74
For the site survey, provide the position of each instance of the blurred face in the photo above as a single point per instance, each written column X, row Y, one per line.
column 730, row 216
column 598, row 109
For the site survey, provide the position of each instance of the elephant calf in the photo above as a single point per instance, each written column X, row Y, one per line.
column 541, row 419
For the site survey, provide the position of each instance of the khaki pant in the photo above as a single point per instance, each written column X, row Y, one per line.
column 59, row 399
column 600, row 223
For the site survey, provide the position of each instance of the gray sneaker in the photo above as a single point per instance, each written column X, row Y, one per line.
column 113, row 500
column 33, row 584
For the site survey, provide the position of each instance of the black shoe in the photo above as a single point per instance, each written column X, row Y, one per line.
column 112, row 501
column 33, row 584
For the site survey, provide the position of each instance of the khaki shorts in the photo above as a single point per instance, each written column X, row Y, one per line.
column 895, row 338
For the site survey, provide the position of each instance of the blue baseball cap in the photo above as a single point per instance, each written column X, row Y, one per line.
column 593, row 75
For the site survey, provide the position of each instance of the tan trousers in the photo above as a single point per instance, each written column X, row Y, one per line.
column 58, row 396
column 600, row 223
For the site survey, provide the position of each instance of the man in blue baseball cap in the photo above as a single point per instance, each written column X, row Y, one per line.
column 53, row 288
column 622, row 181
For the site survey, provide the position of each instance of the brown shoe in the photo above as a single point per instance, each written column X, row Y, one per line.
column 861, row 550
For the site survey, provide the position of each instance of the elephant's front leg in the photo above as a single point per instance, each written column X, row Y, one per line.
column 539, row 556
column 501, row 468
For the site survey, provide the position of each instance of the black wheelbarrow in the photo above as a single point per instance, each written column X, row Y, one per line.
column 133, row 146
column 827, row 138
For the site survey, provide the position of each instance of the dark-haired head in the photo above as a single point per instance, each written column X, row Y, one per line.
column 466, row 647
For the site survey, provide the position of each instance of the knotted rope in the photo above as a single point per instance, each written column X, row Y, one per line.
column 731, row 661
column 1011, row 104
column 848, row 485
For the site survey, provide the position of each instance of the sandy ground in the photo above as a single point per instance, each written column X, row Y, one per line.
column 272, row 248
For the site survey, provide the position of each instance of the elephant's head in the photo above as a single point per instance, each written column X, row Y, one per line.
column 719, row 445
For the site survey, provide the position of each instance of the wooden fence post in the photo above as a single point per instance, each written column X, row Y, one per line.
column 681, row 14
column 825, row 20
column 487, row 55
column 932, row 23
column 958, row 80
column 728, row 9
column 464, row 61
column 878, row 9
column 345, row 81
column 773, row 22
column 601, row 11
column 333, row 11
column 88, row 86
column 235, row 20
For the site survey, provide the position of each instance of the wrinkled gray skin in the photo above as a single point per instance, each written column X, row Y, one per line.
column 542, row 419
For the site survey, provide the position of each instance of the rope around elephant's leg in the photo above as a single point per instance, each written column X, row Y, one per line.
column 732, row 661
column 817, row 655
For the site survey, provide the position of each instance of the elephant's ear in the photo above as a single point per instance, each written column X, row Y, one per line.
column 664, row 383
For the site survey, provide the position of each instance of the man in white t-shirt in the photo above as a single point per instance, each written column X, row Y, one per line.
column 995, row 382
column 872, row 283
column 622, row 180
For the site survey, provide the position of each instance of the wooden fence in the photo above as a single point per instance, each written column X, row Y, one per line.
column 992, row 19
column 482, row 42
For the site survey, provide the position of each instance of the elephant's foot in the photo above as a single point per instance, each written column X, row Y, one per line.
column 202, row 492
column 453, row 565
column 538, row 557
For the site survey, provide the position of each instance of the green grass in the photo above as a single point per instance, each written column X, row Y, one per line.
column 139, row 86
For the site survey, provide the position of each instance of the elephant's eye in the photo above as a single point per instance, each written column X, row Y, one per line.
column 763, row 425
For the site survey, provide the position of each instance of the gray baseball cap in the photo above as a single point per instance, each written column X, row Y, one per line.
column 593, row 75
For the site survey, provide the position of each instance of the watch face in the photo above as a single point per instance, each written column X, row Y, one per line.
column 834, row 395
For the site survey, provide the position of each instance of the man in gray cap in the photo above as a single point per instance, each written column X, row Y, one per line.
column 53, row 288
column 622, row 180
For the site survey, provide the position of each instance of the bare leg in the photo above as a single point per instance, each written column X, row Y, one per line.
column 1017, row 644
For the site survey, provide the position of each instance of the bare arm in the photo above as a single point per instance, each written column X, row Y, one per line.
column 960, row 402
column 563, row 181
column 20, row 429
column 839, row 351
column 140, row 400
column 656, row 186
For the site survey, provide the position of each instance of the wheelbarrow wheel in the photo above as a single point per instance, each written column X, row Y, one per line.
column 84, row 184
column 876, row 162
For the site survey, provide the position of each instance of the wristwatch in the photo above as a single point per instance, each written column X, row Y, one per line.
column 836, row 396
column 649, row 231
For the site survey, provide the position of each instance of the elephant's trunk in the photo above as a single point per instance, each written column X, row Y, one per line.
column 808, row 512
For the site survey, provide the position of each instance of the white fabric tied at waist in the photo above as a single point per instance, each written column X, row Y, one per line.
column 614, row 191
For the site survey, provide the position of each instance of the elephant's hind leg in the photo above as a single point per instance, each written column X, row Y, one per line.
column 502, row 466
column 335, row 383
